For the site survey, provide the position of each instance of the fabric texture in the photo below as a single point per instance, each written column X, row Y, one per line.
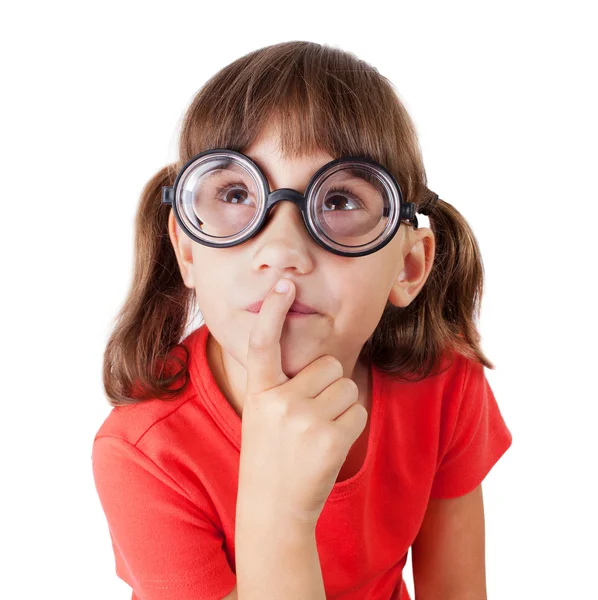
column 166, row 474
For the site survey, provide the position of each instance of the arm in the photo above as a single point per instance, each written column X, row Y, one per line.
column 448, row 554
column 277, row 561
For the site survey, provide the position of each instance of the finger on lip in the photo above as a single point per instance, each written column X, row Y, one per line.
column 264, row 364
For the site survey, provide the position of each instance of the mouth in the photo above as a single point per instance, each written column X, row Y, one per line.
column 297, row 309
column 294, row 314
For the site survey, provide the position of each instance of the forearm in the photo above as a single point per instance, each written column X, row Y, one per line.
column 276, row 561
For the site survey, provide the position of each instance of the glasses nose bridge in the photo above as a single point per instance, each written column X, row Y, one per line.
column 297, row 198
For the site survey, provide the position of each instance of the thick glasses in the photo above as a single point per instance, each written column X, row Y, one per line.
column 352, row 206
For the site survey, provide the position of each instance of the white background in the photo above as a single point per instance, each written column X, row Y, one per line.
column 504, row 99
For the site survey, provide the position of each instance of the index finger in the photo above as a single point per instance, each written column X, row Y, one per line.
column 264, row 362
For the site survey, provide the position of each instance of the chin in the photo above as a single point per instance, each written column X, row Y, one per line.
column 295, row 357
column 293, row 368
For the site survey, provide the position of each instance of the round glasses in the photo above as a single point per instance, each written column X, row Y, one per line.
column 352, row 206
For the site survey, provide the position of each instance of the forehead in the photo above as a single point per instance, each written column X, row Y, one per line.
column 267, row 152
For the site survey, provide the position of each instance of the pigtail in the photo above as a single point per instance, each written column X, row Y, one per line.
column 442, row 317
column 143, row 358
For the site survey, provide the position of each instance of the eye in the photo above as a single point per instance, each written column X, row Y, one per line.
column 343, row 196
column 238, row 196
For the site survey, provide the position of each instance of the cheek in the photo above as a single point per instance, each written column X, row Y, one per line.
column 360, row 293
column 369, row 288
column 211, row 266
column 211, row 279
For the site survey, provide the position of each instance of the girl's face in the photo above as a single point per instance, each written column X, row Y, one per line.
column 349, row 294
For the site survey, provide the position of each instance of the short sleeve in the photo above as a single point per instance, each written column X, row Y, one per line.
column 165, row 546
column 479, row 437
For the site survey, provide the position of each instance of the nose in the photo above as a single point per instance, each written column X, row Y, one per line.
column 286, row 213
column 284, row 241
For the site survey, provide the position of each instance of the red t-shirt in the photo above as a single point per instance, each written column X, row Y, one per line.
column 167, row 477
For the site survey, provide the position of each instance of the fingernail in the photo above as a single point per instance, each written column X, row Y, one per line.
column 282, row 287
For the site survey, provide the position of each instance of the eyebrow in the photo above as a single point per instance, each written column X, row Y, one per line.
column 343, row 174
column 260, row 167
column 226, row 162
column 222, row 167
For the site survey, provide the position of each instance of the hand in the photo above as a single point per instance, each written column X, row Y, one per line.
column 296, row 433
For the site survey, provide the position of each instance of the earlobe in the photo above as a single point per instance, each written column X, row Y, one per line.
column 400, row 294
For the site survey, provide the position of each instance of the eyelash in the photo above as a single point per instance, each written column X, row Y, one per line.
column 227, row 186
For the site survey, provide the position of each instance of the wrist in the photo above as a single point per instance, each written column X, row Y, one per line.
column 275, row 523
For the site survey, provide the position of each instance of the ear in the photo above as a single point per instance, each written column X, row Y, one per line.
column 182, row 245
column 415, row 268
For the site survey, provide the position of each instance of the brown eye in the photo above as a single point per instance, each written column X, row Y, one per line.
column 232, row 193
column 341, row 197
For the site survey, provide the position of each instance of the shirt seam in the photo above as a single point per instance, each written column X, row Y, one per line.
column 126, row 442
column 191, row 397
column 180, row 489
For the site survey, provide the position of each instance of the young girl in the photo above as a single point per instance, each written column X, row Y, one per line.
column 297, row 444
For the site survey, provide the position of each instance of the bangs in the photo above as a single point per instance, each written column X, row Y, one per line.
column 315, row 97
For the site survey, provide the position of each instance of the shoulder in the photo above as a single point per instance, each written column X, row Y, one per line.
column 431, row 397
column 145, row 448
column 132, row 422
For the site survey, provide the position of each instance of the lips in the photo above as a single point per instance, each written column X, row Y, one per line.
column 298, row 307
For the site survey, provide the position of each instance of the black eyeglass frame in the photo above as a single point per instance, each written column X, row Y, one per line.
column 405, row 212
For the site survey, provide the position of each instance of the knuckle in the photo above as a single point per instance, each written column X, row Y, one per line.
column 277, row 408
column 329, row 441
column 335, row 363
column 258, row 342
column 272, row 406
column 251, row 399
column 350, row 386
column 364, row 412
column 303, row 425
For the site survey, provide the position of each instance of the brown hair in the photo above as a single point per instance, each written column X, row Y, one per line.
column 322, row 98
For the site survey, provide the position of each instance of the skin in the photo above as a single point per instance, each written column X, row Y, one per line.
column 226, row 280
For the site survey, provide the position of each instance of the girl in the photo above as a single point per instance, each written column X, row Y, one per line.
column 298, row 443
